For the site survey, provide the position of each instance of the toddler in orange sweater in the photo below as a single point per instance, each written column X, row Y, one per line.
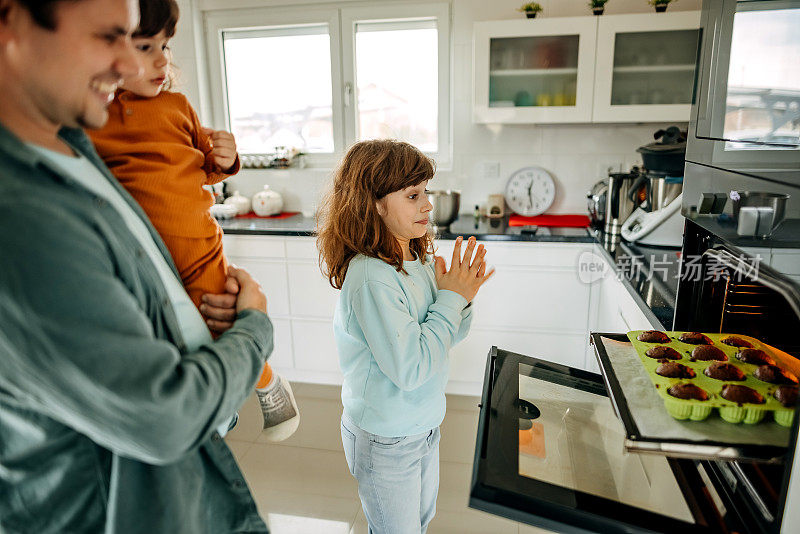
column 155, row 146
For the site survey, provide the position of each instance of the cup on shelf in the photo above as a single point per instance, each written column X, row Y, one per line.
column 544, row 99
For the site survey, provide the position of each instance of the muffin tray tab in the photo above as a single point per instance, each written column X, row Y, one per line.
column 702, row 370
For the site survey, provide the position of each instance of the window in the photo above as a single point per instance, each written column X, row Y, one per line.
column 319, row 80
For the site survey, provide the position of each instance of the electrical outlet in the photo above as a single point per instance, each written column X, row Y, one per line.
column 489, row 170
column 607, row 166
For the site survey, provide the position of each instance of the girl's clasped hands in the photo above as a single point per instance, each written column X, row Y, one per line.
column 467, row 274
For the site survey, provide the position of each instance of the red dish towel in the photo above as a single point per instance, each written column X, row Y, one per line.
column 569, row 221
column 281, row 215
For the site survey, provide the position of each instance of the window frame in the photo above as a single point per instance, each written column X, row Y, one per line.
column 341, row 21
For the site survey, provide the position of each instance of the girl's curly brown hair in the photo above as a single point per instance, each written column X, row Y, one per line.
column 348, row 222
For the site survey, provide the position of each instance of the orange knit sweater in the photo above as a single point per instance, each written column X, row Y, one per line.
column 156, row 149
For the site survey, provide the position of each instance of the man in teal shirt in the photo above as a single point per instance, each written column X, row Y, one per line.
column 110, row 394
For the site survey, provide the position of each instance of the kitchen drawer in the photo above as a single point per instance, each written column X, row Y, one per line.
column 311, row 295
column 527, row 299
column 247, row 246
column 302, row 248
column 272, row 277
column 529, row 255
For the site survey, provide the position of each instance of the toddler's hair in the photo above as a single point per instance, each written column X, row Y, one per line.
column 348, row 222
column 157, row 15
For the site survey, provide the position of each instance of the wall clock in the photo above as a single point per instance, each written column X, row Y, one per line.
column 530, row 191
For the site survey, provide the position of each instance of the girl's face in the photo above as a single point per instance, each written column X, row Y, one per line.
column 154, row 55
column 405, row 213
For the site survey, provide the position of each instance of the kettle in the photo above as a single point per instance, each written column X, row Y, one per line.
column 597, row 204
column 618, row 201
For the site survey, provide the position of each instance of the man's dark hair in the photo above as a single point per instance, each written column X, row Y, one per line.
column 42, row 11
column 157, row 15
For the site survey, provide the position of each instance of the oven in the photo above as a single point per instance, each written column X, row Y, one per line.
column 572, row 451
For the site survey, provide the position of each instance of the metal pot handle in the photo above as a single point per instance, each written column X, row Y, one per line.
column 635, row 188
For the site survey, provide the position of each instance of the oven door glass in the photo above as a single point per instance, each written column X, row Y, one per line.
column 550, row 453
column 755, row 92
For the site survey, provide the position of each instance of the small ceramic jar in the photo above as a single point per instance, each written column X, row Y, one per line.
column 241, row 203
column 267, row 202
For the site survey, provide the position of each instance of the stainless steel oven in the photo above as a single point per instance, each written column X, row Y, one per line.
column 746, row 112
column 572, row 451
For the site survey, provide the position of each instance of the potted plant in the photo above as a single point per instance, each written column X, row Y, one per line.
column 597, row 6
column 660, row 5
column 530, row 9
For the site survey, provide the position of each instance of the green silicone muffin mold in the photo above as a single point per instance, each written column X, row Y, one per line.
column 697, row 410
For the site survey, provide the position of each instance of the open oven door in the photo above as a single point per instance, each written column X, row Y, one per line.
column 550, row 453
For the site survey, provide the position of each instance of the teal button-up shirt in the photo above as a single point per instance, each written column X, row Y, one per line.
column 106, row 419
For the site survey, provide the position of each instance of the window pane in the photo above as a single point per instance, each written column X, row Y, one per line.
column 397, row 79
column 279, row 88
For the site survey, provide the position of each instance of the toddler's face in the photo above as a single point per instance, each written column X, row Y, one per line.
column 405, row 212
column 154, row 55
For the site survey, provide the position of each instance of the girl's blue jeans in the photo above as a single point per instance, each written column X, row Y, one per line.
column 398, row 478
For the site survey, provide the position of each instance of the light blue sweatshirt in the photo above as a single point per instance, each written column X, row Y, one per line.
column 393, row 332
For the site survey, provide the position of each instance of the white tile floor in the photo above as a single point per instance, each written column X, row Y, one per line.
column 302, row 485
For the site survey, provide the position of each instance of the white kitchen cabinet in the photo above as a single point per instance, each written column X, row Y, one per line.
column 645, row 67
column 468, row 358
column 534, row 71
column 315, row 348
column 535, row 304
column 311, row 295
column 271, row 274
column 282, row 357
column 614, row 68
column 254, row 246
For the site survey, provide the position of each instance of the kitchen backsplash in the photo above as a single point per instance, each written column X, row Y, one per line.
column 484, row 156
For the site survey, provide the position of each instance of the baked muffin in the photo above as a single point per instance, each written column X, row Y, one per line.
column 754, row 356
column 661, row 352
column 741, row 394
column 695, row 338
column 708, row 352
column 786, row 395
column 675, row 370
column 724, row 371
column 687, row 391
column 774, row 375
column 653, row 336
column 734, row 341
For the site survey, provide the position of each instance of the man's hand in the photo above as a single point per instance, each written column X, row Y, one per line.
column 250, row 294
column 223, row 148
column 220, row 310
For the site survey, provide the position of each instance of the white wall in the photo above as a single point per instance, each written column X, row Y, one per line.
column 576, row 155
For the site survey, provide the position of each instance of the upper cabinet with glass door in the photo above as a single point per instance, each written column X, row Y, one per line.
column 530, row 71
column 646, row 66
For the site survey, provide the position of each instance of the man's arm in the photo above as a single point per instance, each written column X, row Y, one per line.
column 76, row 345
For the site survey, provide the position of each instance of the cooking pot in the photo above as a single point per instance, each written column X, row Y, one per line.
column 667, row 155
column 445, row 207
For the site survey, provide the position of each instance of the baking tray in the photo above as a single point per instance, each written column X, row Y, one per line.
column 699, row 410
column 650, row 429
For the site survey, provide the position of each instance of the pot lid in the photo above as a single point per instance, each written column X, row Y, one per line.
column 669, row 141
